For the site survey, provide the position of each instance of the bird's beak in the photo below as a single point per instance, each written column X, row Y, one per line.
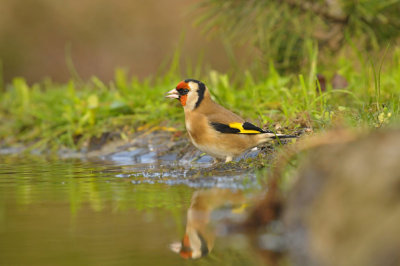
column 172, row 94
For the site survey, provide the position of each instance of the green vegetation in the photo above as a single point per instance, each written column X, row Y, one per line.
column 49, row 115
column 282, row 30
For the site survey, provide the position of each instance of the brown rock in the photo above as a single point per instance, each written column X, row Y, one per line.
column 345, row 206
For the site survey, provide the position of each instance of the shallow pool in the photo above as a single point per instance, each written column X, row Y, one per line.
column 76, row 212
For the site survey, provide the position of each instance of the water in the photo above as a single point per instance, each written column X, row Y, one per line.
column 74, row 212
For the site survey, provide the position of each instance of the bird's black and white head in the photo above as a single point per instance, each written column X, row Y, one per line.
column 189, row 92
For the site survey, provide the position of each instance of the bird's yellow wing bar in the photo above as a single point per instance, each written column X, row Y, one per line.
column 237, row 128
column 242, row 130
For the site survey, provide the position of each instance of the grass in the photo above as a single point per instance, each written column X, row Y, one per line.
column 48, row 115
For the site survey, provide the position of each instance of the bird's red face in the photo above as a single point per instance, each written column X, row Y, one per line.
column 180, row 93
column 193, row 245
column 186, row 250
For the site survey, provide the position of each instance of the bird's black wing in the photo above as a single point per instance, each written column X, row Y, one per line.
column 237, row 128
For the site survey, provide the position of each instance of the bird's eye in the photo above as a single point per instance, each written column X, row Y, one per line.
column 183, row 91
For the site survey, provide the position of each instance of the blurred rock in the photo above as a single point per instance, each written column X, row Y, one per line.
column 322, row 82
column 339, row 82
column 345, row 206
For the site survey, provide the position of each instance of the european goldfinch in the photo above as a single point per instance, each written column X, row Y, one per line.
column 214, row 129
column 200, row 232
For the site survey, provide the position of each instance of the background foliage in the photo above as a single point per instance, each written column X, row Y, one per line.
column 283, row 31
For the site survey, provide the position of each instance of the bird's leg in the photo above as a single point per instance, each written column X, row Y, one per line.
column 228, row 159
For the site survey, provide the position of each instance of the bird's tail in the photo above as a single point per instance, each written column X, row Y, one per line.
column 268, row 136
column 283, row 136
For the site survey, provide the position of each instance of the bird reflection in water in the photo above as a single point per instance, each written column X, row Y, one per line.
column 198, row 240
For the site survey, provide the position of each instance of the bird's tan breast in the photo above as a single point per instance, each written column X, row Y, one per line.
column 197, row 127
column 202, row 135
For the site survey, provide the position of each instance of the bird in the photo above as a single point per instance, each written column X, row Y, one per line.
column 214, row 129
column 200, row 231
